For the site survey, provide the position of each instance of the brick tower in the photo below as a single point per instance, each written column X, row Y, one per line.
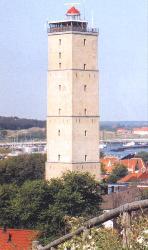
column 73, row 112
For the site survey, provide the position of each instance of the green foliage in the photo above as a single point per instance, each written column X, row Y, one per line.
column 21, row 168
column 42, row 205
column 103, row 170
column 117, row 173
column 143, row 155
column 99, row 238
column 14, row 123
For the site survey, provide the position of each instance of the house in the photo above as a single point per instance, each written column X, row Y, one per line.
column 140, row 131
column 17, row 239
column 134, row 165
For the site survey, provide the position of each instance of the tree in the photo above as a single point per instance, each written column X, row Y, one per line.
column 143, row 155
column 43, row 205
column 117, row 173
column 21, row 168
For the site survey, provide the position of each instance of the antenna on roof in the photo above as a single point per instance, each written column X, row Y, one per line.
column 84, row 8
column 92, row 18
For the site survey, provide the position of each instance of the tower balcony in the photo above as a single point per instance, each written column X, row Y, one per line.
column 70, row 26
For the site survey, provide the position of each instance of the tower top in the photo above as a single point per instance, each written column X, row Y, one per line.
column 73, row 11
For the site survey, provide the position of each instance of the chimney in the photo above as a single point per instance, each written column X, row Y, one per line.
column 9, row 237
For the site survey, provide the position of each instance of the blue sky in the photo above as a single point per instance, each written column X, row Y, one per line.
column 123, row 56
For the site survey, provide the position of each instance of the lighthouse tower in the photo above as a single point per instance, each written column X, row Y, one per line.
column 73, row 112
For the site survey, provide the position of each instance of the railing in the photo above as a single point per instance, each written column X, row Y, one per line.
column 71, row 29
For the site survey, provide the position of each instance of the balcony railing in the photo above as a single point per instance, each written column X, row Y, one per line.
column 71, row 29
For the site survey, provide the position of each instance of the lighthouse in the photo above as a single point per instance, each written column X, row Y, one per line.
column 72, row 97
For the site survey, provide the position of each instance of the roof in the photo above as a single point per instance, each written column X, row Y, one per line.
column 133, row 164
column 141, row 129
column 109, row 162
column 73, row 11
column 134, row 177
column 20, row 239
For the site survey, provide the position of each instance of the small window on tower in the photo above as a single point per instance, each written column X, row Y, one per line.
column 59, row 157
column 60, row 87
column 59, row 55
column 59, row 132
column 85, row 132
column 59, row 111
column 85, row 87
column 85, row 111
column 85, row 157
column 59, row 65
column 84, row 42
column 60, row 41
column 84, row 66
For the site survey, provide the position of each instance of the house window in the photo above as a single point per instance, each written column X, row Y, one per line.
column 59, row 55
column 60, row 87
column 59, row 157
column 59, row 111
column 85, row 157
column 85, row 86
column 84, row 66
column 85, row 132
column 60, row 41
column 85, row 111
column 84, row 42
column 59, row 132
column 59, row 65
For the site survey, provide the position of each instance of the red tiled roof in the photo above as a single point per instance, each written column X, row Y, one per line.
column 141, row 129
column 133, row 164
column 109, row 163
column 20, row 239
column 73, row 11
column 134, row 177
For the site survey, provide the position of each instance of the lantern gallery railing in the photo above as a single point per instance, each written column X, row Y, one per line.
column 71, row 29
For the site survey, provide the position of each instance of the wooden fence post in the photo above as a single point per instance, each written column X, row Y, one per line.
column 126, row 223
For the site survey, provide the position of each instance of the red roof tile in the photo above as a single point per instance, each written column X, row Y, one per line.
column 133, row 164
column 20, row 239
column 134, row 177
column 73, row 11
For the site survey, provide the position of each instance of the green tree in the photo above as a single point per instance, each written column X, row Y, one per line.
column 117, row 173
column 143, row 155
column 21, row 168
column 43, row 205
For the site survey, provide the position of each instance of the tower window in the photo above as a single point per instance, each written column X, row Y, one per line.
column 60, row 41
column 85, row 87
column 84, row 42
column 59, row 157
column 59, row 132
column 59, row 65
column 59, row 111
column 85, row 132
column 85, row 111
column 85, row 157
column 76, row 75
column 84, row 66
column 60, row 87
column 59, row 55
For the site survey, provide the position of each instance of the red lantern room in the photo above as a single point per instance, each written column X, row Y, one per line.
column 73, row 13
